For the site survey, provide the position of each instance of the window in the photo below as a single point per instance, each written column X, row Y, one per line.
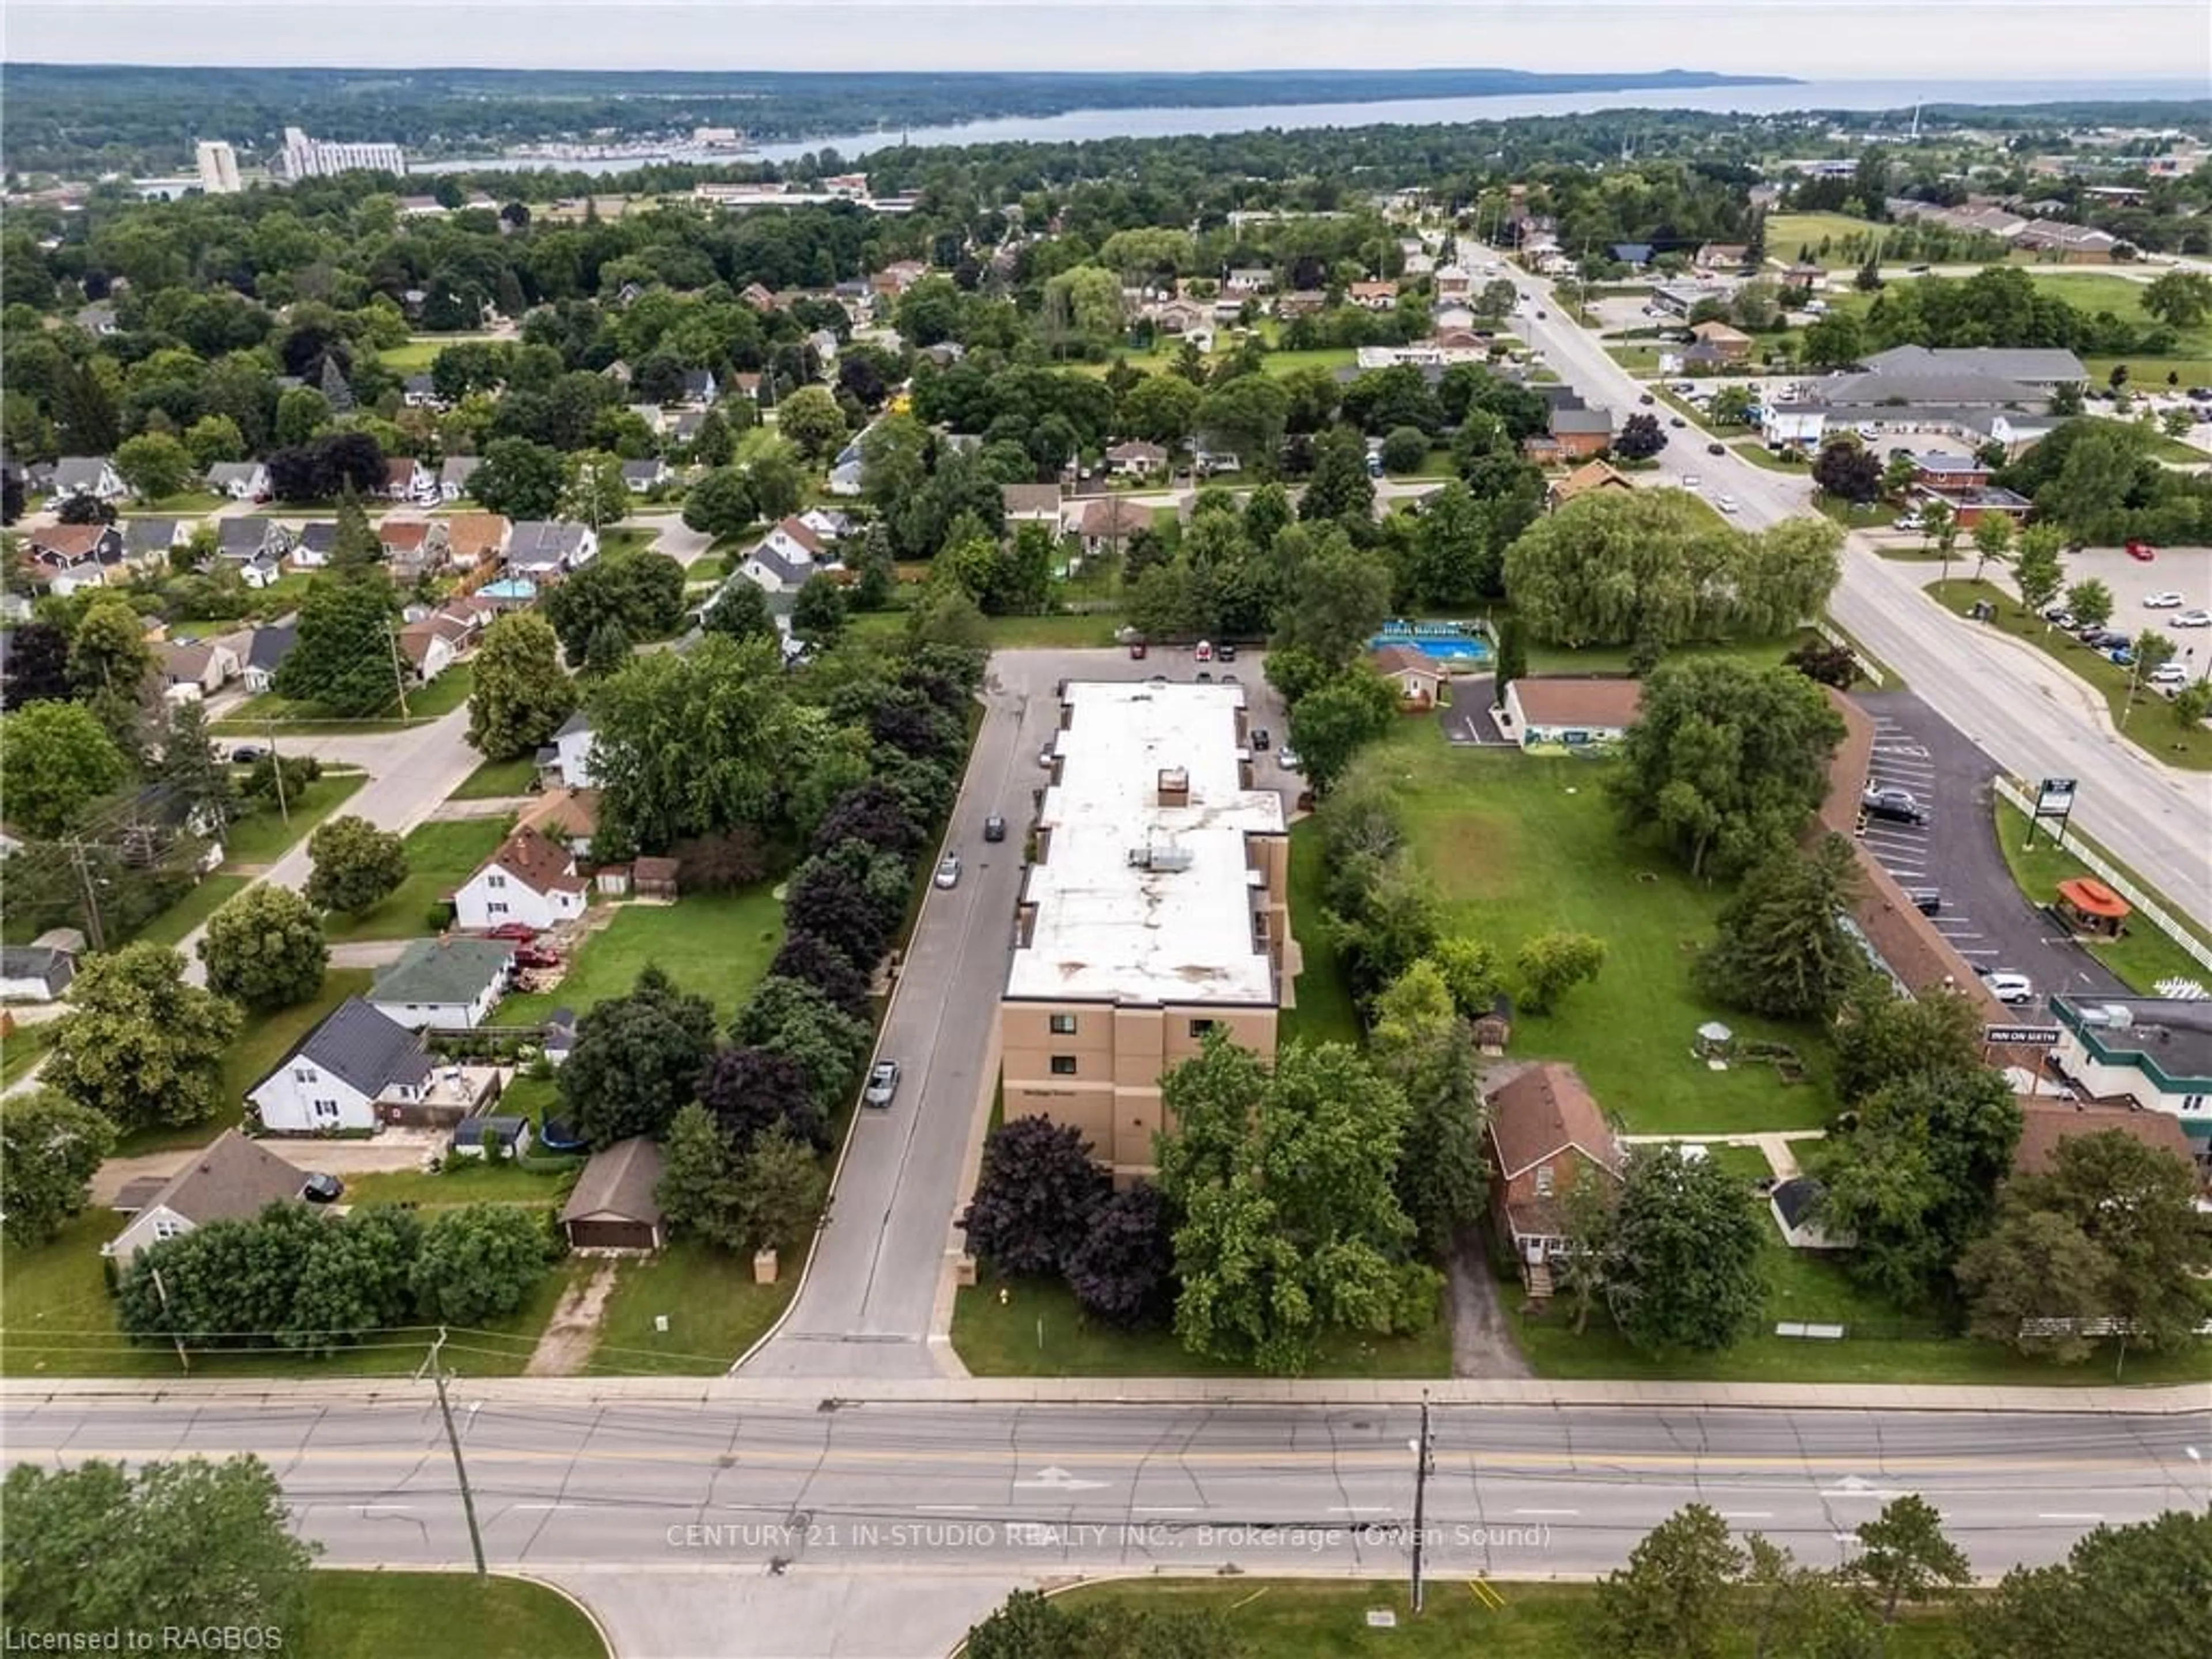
column 326, row 1111
column 303, row 1074
column 166, row 1228
column 1198, row 1027
column 1543, row 1181
column 2195, row 1102
column 495, row 909
column 495, row 879
column 1063, row 1024
column 1063, row 1065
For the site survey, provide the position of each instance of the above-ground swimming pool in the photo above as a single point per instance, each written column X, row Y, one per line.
column 1454, row 642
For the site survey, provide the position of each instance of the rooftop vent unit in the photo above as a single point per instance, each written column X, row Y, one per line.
column 1168, row 858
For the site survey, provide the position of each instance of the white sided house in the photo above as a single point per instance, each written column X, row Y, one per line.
column 568, row 757
column 785, row 559
column 231, row 1180
column 445, row 983
column 334, row 1079
column 531, row 879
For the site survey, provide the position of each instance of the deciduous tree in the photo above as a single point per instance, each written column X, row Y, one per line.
column 139, row 1046
column 480, row 1262
column 521, row 694
column 1035, row 1196
column 752, row 1091
column 49, row 1148
column 1549, row 965
column 1682, row 1264
column 355, row 866
column 1333, row 723
column 1121, row 1270
column 700, row 1195
column 60, row 760
column 636, row 1059
column 265, row 950
column 1674, row 1598
column 154, row 464
column 343, row 657
column 521, row 478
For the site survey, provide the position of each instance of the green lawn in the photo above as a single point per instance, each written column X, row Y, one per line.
column 715, row 1312
column 1324, row 1012
column 170, row 927
column 1788, row 233
column 1521, row 844
column 60, row 1322
column 2143, row 956
column 716, row 944
column 2194, row 366
column 1306, row 1618
column 442, row 695
column 265, row 834
column 1755, row 452
column 22, row 1048
column 1613, row 659
column 184, row 504
column 1854, row 515
column 374, row 1615
column 254, row 717
column 440, row 856
column 464, row 1180
column 2151, row 723
column 413, row 358
column 1328, row 357
column 1039, row 1331
column 497, row 779
column 630, row 538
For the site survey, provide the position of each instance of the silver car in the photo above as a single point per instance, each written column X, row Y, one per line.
column 948, row 869
column 882, row 1084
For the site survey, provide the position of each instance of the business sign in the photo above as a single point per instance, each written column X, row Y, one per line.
column 2021, row 1036
column 2054, row 797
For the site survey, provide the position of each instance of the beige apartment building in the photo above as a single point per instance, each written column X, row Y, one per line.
column 1156, row 910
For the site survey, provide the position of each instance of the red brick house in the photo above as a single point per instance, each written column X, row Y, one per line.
column 1545, row 1133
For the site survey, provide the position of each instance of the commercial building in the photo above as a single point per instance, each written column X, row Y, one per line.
column 218, row 165
column 1155, row 911
column 318, row 158
column 2152, row 1053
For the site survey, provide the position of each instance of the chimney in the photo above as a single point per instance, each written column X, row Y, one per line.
column 1175, row 786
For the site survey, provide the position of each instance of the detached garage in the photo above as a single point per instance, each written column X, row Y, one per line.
column 616, row 1204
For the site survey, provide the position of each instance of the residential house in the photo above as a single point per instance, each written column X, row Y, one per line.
column 411, row 545
column 431, row 646
column 420, row 391
column 1591, row 477
column 1680, row 298
column 846, row 473
column 64, row 558
column 567, row 758
column 1418, row 676
column 444, row 983
column 1248, row 280
column 1722, row 256
column 2154, row 1053
column 1452, row 283
column 100, row 320
column 1564, row 712
column 1635, row 255
column 761, row 299
column 478, row 538
column 231, row 1179
column 270, row 646
column 242, row 481
column 196, row 668
column 1031, row 504
column 454, row 475
column 1547, row 1134
column 87, row 475
column 1178, row 316
column 700, row 389
column 147, row 542
column 2046, row 1123
column 828, row 524
column 35, row 973
column 614, row 1205
column 640, row 477
column 1107, row 524
column 529, row 879
column 1136, row 459
column 570, row 817
column 1301, row 302
column 1373, row 296
column 545, row 550
column 1732, row 344
column 334, row 1076
column 1576, row 434
column 786, row 558
column 406, row 479
column 1811, row 278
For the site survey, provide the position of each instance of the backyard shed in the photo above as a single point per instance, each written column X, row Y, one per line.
column 615, row 1205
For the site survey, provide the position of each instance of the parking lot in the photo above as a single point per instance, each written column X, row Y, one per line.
column 1955, row 855
column 2183, row 570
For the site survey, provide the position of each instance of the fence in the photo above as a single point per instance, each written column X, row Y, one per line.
column 2145, row 906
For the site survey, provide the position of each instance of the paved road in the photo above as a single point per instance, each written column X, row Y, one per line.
column 687, row 1479
column 876, row 1301
column 2033, row 716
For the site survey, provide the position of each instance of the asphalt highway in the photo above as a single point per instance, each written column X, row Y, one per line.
column 2026, row 711
column 670, row 1483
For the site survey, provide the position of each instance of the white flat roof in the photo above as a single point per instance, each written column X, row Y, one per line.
column 1109, row 929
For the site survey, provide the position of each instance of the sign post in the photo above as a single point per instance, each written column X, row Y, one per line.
column 2054, row 799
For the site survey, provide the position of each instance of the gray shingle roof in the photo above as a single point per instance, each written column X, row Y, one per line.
column 618, row 1184
column 360, row 1047
column 79, row 474
column 2029, row 366
column 271, row 645
column 1952, row 388
column 230, row 1180
column 443, row 970
column 149, row 535
column 544, row 541
column 223, row 474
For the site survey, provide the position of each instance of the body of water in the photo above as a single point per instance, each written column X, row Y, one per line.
column 1086, row 125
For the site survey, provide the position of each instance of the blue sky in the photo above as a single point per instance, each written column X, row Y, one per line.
column 1952, row 39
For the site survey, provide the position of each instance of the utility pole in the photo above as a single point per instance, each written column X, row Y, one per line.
column 276, row 771
column 83, row 868
column 460, row 1469
column 162, row 1290
column 399, row 674
column 1425, row 1458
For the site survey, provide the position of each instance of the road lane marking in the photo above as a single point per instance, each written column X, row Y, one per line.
column 946, row 1508
column 1359, row 1509
column 1547, row 1512
column 2070, row 1515
column 1746, row 1515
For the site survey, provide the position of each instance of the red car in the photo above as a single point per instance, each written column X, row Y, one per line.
column 2141, row 550
column 522, row 932
column 530, row 956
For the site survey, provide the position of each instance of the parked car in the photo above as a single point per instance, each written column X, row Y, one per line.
column 1224, row 653
column 1136, row 650
column 2010, row 988
column 1676, row 420
column 1261, row 738
column 1543, row 316
column 1204, row 653
column 994, row 828
column 2168, row 673
column 948, row 869
column 882, row 1084
column 1287, row 758
column 1690, row 481
column 2058, row 615
column 2190, row 619
column 2124, row 655
column 532, row 959
column 246, row 753
column 1893, row 805
column 1726, row 504
column 2141, row 552
column 1045, row 757
column 2167, row 600
column 522, row 932
column 322, row 1189
column 1908, row 521
column 1647, row 398
column 1927, row 901
column 1205, row 677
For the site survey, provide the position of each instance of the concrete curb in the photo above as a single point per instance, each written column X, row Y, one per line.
column 607, row 1637
column 2179, row 1400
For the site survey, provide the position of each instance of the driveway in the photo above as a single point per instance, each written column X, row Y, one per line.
column 1985, row 914
column 1466, row 720
column 877, row 1299
column 395, row 1149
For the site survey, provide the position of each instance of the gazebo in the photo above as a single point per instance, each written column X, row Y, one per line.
column 2088, row 907
column 1714, row 1042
